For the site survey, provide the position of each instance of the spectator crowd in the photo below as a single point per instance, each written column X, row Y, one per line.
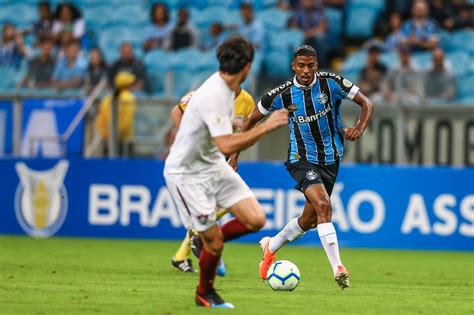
column 64, row 55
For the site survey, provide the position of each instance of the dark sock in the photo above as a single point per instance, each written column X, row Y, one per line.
column 233, row 229
column 208, row 265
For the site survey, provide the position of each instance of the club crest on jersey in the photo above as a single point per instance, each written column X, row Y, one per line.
column 41, row 199
column 322, row 98
column 292, row 108
column 203, row 218
column 311, row 175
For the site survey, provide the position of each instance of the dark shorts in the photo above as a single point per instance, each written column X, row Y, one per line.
column 307, row 174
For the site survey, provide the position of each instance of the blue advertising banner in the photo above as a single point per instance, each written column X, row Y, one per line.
column 50, row 117
column 6, row 127
column 373, row 206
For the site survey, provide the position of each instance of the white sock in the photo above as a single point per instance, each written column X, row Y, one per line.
column 327, row 234
column 290, row 232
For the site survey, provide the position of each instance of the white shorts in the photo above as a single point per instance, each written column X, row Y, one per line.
column 198, row 202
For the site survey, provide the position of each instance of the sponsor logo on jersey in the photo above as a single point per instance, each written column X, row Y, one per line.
column 281, row 87
column 311, row 175
column 41, row 199
column 307, row 119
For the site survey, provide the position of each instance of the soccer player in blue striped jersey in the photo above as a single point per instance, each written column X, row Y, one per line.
column 313, row 100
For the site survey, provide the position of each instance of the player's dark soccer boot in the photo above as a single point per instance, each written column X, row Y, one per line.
column 342, row 277
column 196, row 243
column 183, row 265
column 212, row 299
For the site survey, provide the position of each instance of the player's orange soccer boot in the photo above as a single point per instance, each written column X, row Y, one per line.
column 268, row 258
column 342, row 277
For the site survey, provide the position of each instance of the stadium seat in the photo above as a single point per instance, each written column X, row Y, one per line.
column 352, row 76
column 9, row 77
column 208, row 62
column 276, row 64
column 129, row 15
column 96, row 17
column 464, row 88
column 209, row 16
column 356, row 61
column 158, row 59
column 186, row 59
column 460, row 39
column 285, row 41
column 459, row 61
column 378, row 5
column 360, row 22
column 157, row 78
column 274, row 19
column 334, row 17
column 389, row 59
column 22, row 15
column 182, row 82
column 111, row 38
column 422, row 59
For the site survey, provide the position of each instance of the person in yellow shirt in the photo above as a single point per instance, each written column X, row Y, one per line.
column 244, row 104
column 126, row 110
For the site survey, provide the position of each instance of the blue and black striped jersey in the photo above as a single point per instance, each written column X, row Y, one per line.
column 316, row 132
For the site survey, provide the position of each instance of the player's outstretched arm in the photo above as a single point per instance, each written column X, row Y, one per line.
column 364, row 117
column 254, row 117
column 176, row 115
column 232, row 143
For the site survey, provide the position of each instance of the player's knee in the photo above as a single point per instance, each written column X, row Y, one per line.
column 216, row 245
column 258, row 221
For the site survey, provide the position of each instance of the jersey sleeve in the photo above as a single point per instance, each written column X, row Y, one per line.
column 343, row 88
column 183, row 103
column 269, row 103
column 216, row 119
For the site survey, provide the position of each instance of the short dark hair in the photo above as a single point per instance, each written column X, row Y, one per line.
column 304, row 50
column 234, row 54
column 156, row 6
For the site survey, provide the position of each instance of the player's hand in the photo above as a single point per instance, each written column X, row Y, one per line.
column 233, row 161
column 352, row 134
column 277, row 119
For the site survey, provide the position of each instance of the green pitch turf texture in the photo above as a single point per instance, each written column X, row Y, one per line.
column 90, row 276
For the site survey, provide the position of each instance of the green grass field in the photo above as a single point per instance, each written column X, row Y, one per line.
column 90, row 276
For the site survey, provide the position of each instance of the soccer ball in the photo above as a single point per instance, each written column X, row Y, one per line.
column 283, row 275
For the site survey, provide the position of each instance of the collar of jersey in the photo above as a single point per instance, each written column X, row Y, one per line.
column 305, row 87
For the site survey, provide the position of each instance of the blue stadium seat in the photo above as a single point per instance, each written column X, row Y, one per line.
column 20, row 14
column 360, row 22
column 389, row 59
column 211, row 15
column 422, row 59
column 286, row 41
column 460, row 41
column 111, row 39
column 274, row 19
column 97, row 17
column 208, row 62
column 276, row 64
column 352, row 76
column 129, row 15
column 334, row 17
column 186, row 59
column 182, row 83
column 378, row 5
column 158, row 59
column 157, row 80
column 9, row 77
column 465, row 92
column 459, row 61
column 356, row 61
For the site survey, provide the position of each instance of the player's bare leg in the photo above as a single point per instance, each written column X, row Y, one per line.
column 292, row 231
column 213, row 245
column 319, row 198
column 249, row 218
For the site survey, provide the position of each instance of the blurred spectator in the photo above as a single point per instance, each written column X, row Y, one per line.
column 157, row 34
column 66, row 39
column 216, row 36
column 183, row 34
column 309, row 17
column 12, row 48
column 439, row 81
column 40, row 70
column 403, row 85
column 251, row 28
column 441, row 10
column 463, row 18
column 395, row 36
column 372, row 77
column 127, row 104
column 68, row 19
column 43, row 28
column 70, row 72
column 420, row 32
column 127, row 62
column 97, row 69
